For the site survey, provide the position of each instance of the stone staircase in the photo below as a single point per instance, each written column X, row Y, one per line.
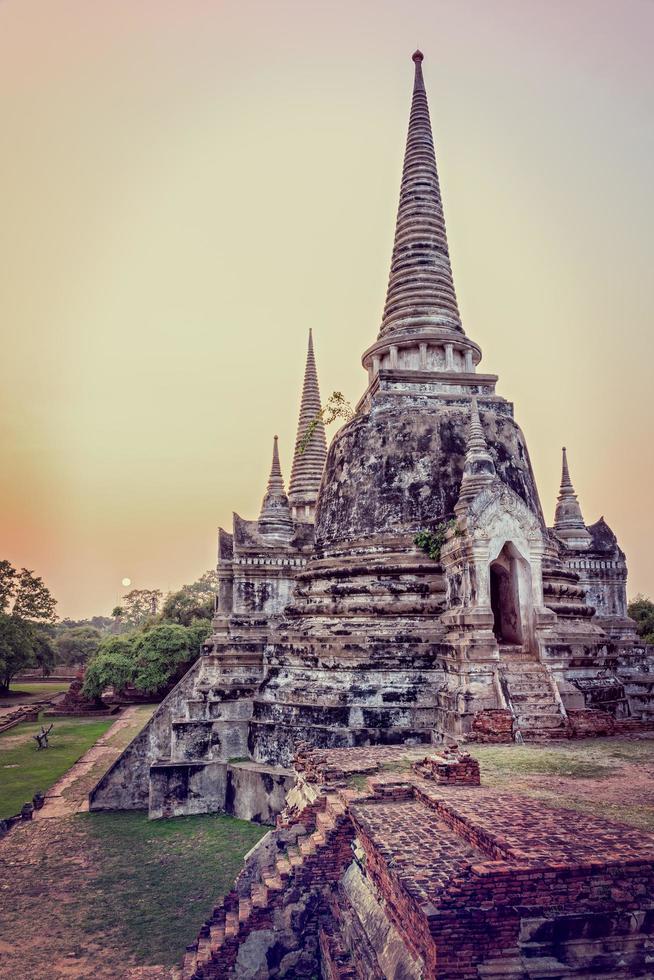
column 529, row 688
column 316, row 858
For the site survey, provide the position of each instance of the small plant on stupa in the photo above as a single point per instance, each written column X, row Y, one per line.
column 336, row 407
column 431, row 542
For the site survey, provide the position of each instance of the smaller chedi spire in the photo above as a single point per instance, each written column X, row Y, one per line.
column 275, row 517
column 478, row 468
column 310, row 456
column 568, row 520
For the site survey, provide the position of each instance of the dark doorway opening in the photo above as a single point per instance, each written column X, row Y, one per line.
column 505, row 597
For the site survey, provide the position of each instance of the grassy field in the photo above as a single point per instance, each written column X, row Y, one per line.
column 25, row 771
column 168, row 873
column 608, row 777
column 24, row 693
column 119, row 890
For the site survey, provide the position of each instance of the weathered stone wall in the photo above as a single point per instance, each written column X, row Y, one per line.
column 244, row 790
column 399, row 468
column 125, row 786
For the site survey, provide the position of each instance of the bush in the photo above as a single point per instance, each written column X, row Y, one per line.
column 112, row 666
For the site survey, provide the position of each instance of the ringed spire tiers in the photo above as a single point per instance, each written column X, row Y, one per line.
column 478, row 468
column 568, row 520
column 420, row 287
column 275, row 517
column 421, row 327
column 309, row 459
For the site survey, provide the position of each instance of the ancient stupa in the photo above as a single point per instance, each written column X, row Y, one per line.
column 408, row 589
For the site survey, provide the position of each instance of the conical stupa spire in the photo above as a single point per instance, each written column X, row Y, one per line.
column 420, row 288
column 275, row 517
column 568, row 520
column 309, row 459
column 478, row 468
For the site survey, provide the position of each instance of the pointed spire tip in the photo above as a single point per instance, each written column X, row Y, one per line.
column 417, row 56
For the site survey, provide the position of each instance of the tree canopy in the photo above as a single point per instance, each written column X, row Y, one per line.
column 642, row 610
column 151, row 659
column 77, row 644
column 191, row 602
column 26, row 606
column 112, row 666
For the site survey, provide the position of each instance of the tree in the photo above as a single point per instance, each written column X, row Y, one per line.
column 32, row 599
column 77, row 645
column 25, row 602
column 164, row 653
column 112, row 666
column 17, row 648
column 139, row 605
column 191, row 602
column 8, row 575
column 642, row 610
column 45, row 651
column 336, row 407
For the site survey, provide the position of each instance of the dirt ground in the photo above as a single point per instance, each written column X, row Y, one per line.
column 608, row 777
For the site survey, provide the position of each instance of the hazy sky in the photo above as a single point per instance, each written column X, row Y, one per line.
column 189, row 186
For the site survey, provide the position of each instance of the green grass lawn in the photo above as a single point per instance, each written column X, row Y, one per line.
column 25, row 692
column 159, row 879
column 25, row 771
column 119, row 890
column 505, row 760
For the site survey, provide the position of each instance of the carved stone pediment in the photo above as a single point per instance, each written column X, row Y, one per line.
column 497, row 515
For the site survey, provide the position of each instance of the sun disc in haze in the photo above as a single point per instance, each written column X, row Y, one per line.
column 126, row 582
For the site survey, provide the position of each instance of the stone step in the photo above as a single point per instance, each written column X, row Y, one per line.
column 244, row 909
column 537, row 697
column 529, row 687
column 217, row 934
column 204, row 950
column 272, row 881
column 190, row 961
column 231, row 924
column 325, row 821
column 259, row 895
column 335, row 805
column 528, row 723
column 306, row 846
column 283, row 868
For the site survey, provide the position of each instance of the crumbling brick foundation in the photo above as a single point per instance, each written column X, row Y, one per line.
column 410, row 861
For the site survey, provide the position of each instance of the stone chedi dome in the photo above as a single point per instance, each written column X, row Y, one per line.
column 397, row 467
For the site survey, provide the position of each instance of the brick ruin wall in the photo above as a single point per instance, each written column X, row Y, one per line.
column 401, row 862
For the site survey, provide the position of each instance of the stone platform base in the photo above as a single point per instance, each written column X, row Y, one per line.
column 246, row 790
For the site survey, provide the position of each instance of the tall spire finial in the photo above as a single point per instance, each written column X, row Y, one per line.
column 569, row 523
column 275, row 517
column 309, row 459
column 478, row 468
column 420, row 287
